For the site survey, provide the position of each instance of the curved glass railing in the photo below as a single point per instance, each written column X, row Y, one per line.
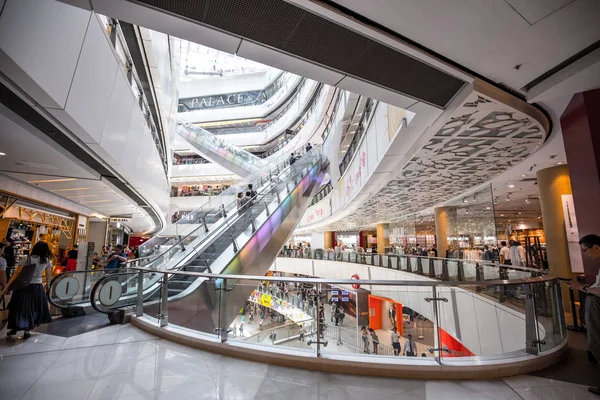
column 451, row 323
column 446, row 269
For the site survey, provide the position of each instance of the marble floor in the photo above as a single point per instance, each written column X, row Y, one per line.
column 122, row 362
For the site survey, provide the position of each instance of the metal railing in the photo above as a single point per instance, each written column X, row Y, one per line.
column 445, row 269
column 536, row 327
column 322, row 193
column 363, row 124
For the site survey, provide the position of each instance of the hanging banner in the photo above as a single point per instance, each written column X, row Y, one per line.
column 572, row 233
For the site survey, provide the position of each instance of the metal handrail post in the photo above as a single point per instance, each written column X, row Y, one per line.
column 164, row 301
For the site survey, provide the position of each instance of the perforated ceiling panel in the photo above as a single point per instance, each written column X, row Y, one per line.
column 296, row 31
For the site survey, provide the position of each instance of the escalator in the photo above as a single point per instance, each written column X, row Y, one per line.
column 222, row 239
column 236, row 160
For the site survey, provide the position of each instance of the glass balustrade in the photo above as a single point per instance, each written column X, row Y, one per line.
column 448, row 323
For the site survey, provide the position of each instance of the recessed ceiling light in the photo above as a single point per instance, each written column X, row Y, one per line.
column 502, row 215
column 54, row 180
column 68, row 190
column 559, row 163
column 523, row 176
column 2, row 154
column 511, row 186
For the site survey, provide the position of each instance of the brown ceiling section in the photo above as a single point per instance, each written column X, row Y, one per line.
column 296, row 31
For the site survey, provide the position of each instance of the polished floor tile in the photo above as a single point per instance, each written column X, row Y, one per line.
column 75, row 390
column 124, row 363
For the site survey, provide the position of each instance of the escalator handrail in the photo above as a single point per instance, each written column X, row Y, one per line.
column 230, row 216
column 176, row 271
column 275, row 164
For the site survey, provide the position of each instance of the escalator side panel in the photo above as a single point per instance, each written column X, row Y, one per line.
column 255, row 257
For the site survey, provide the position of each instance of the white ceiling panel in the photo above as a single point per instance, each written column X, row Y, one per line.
column 27, row 153
column 535, row 10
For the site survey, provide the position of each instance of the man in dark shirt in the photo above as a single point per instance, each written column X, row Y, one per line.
column 115, row 258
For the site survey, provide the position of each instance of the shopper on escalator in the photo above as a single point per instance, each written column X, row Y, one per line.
column 252, row 192
column 292, row 159
column 308, row 147
column 115, row 258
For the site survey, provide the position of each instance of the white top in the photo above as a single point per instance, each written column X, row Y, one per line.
column 39, row 267
column 2, row 264
column 597, row 283
column 517, row 255
column 395, row 337
column 505, row 252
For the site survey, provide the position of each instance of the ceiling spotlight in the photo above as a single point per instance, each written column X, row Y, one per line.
column 527, row 200
column 487, row 208
column 502, row 215
column 2, row 154
column 539, row 217
column 523, row 176
column 519, row 212
column 507, row 197
column 511, row 186
column 496, row 201
column 465, row 200
column 475, row 197
column 559, row 163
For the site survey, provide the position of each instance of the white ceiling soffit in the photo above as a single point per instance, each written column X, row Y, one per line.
column 491, row 37
column 482, row 139
column 437, row 82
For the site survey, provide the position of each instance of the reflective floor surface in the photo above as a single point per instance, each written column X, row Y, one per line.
column 122, row 362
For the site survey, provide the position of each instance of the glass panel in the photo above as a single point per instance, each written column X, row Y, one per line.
column 552, row 330
column 474, row 322
column 469, row 271
column 275, row 314
column 388, row 307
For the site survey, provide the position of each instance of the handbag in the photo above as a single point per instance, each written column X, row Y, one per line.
column 25, row 276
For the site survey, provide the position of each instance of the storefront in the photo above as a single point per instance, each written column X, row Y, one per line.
column 348, row 239
column 28, row 223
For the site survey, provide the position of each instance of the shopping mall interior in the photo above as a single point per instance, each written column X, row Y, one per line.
column 299, row 199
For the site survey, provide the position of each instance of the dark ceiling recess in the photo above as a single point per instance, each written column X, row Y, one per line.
column 291, row 29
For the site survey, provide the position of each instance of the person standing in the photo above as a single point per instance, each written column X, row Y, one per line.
column 260, row 324
column 28, row 306
column 365, row 338
column 115, row 258
column 504, row 254
column 395, row 341
column 590, row 245
column 3, row 279
column 9, row 256
column 242, row 329
column 517, row 254
column 410, row 348
column 234, row 330
column 375, row 340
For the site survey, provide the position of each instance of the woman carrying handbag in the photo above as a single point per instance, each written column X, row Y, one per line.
column 28, row 306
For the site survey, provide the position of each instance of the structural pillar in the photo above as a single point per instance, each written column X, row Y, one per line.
column 383, row 237
column 440, row 216
column 580, row 125
column 552, row 184
column 329, row 240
